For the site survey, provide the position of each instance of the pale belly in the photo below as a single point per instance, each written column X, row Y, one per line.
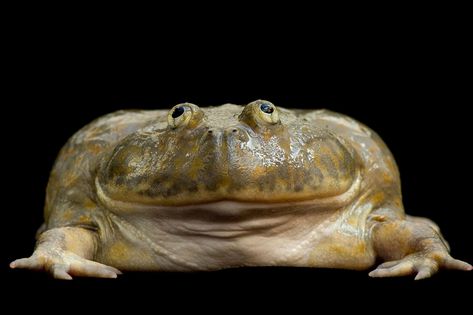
column 231, row 234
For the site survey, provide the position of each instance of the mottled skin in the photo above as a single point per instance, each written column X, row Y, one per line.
column 209, row 188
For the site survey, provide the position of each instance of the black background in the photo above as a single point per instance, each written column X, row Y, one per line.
column 408, row 79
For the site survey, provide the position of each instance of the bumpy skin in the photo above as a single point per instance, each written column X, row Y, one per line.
column 209, row 188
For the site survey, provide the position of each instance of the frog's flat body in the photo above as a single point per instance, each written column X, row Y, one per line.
column 218, row 187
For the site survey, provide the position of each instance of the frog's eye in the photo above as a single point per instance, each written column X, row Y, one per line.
column 180, row 115
column 267, row 112
column 260, row 113
column 267, row 108
column 178, row 111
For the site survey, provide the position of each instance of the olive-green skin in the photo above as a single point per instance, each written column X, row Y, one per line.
column 208, row 188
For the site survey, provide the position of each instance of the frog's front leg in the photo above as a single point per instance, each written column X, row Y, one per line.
column 410, row 246
column 66, row 252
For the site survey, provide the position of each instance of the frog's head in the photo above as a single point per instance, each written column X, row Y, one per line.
column 255, row 153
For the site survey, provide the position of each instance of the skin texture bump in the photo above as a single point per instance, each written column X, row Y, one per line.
column 194, row 188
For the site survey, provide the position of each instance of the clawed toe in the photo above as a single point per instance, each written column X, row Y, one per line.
column 32, row 263
column 395, row 269
column 452, row 263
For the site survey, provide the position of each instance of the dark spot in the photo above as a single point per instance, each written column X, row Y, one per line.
column 260, row 186
column 266, row 108
column 234, row 130
column 267, row 182
column 133, row 181
column 169, row 192
column 298, row 187
column 192, row 187
column 119, row 180
column 178, row 111
column 210, row 131
column 314, row 177
column 212, row 182
column 330, row 166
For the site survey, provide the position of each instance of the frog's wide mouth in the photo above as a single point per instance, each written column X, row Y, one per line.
column 227, row 206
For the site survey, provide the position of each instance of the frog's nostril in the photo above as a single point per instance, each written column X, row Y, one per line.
column 234, row 130
column 210, row 131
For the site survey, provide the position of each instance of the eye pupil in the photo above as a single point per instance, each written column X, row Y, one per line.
column 266, row 108
column 178, row 111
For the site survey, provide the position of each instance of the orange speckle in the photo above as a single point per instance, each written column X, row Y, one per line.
column 95, row 148
column 378, row 198
column 89, row 204
column 119, row 251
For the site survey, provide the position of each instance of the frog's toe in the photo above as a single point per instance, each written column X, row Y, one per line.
column 396, row 268
column 32, row 263
column 88, row 268
column 60, row 271
column 452, row 263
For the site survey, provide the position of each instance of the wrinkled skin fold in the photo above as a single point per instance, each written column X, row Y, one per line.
column 219, row 187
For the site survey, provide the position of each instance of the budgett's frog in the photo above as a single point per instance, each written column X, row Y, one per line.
column 227, row 186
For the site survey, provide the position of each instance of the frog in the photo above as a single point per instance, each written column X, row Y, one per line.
column 209, row 188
